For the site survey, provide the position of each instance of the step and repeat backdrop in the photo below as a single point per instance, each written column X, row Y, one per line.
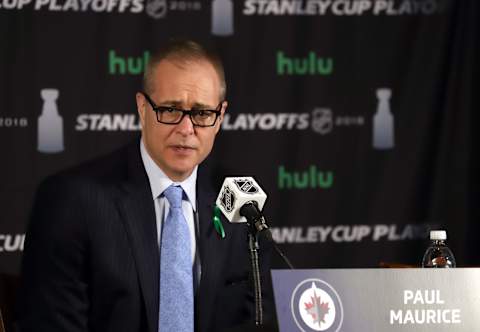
column 357, row 117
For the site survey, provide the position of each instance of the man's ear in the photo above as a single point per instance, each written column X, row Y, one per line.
column 220, row 118
column 223, row 110
column 141, row 107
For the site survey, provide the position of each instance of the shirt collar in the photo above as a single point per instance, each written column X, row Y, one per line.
column 159, row 181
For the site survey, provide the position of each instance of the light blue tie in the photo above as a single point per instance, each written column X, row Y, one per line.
column 176, row 274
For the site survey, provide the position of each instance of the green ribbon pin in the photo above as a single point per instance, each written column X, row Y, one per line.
column 217, row 222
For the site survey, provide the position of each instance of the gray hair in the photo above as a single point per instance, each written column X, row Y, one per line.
column 182, row 51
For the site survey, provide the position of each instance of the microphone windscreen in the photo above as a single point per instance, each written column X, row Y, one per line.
column 237, row 191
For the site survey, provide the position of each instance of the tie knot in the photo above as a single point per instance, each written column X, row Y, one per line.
column 174, row 196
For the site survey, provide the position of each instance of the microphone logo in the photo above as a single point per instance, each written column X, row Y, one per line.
column 235, row 193
column 228, row 199
column 50, row 124
column 246, row 186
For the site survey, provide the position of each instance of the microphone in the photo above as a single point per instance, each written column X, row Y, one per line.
column 241, row 200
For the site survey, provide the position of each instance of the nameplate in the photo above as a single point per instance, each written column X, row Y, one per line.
column 357, row 300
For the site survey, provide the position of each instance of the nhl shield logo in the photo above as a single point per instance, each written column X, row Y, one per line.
column 246, row 186
column 228, row 199
column 322, row 120
column 316, row 306
column 156, row 8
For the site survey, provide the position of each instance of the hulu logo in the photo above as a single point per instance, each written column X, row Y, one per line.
column 309, row 179
column 311, row 65
column 118, row 65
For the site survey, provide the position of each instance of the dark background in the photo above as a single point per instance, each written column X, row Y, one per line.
column 429, row 59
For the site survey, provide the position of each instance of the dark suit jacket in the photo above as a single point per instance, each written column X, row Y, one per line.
column 91, row 260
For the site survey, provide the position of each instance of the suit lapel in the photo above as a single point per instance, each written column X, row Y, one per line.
column 212, row 257
column 137, row 209
column 138, row 213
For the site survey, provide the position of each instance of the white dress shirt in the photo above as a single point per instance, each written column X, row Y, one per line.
column 159, row 181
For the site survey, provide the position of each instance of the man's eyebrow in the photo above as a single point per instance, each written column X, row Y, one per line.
column 174, row 103
column 202, row 106
column 178, row 104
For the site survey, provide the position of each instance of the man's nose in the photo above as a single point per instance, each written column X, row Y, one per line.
column 185, row 127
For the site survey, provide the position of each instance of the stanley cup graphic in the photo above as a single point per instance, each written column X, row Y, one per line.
column 222, row 17
column 383, row 122
column 50, row 124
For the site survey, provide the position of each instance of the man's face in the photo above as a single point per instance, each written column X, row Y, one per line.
column 177, row 149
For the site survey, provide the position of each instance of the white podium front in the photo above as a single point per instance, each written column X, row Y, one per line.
column 378, row 300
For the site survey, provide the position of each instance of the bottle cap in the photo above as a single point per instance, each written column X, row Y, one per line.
column 438, row 235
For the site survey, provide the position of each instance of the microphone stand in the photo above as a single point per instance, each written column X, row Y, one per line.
column 257, row 284
column 258, row 226
column 256, row 223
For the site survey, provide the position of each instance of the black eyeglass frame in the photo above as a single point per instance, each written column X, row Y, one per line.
column 190, row 113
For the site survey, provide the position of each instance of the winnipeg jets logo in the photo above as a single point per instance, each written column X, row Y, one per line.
column 246, row 186
column 316, row 306
column 228, row 199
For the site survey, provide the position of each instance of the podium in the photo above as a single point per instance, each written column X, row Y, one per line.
column 378, row 300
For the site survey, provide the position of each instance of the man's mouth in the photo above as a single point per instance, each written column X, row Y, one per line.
column 182, row 148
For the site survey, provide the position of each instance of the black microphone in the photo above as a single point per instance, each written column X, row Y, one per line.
column 254, row 217
column 241, row 200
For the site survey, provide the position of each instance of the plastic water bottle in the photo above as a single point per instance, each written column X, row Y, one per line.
column 438, row 255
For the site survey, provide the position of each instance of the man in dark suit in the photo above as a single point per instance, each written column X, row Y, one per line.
column 93, row 250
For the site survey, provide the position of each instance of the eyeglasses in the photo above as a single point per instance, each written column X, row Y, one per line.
column 171, row 115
